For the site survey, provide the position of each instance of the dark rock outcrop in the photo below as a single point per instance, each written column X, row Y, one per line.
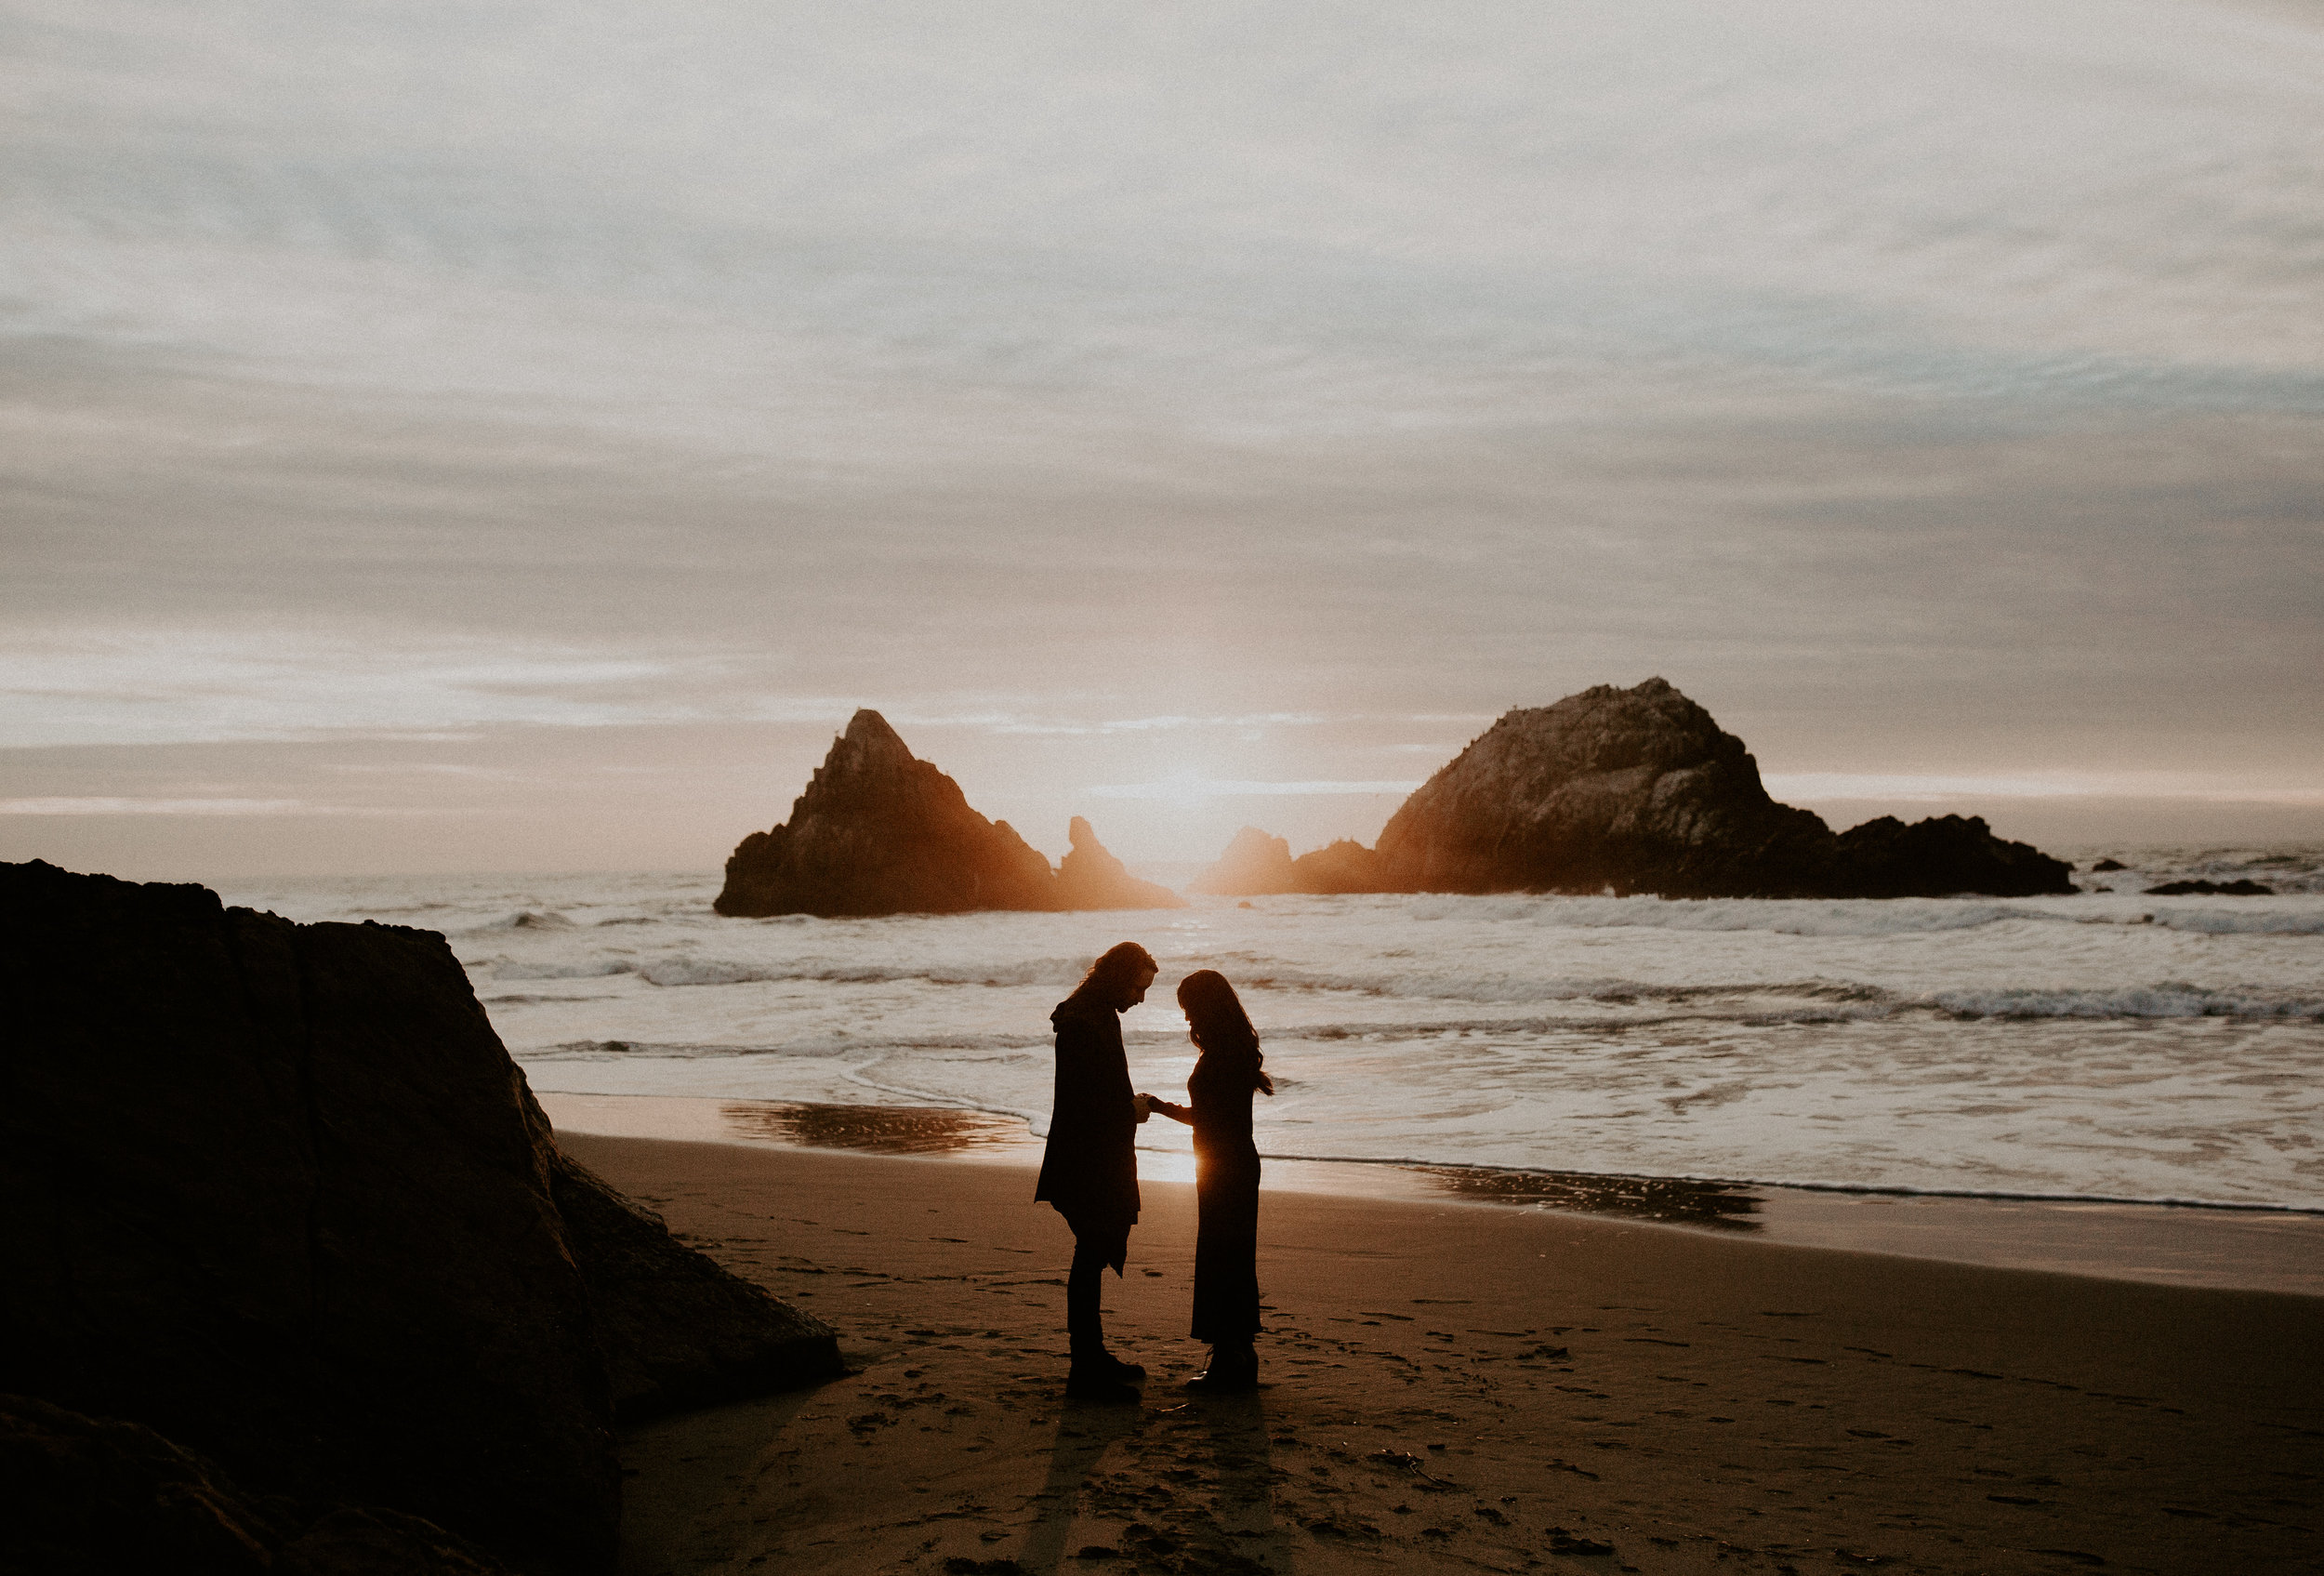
column 677, row 1331
column 1257, row 865
column 1629, row 791
column 878, row 831
column 83, row 1496
column 1938, row 857
column 2103, row 866
column 2210, row 889
column 277, row 1192
column 1090, row 878
column 1341, row 865
column 1633, row 790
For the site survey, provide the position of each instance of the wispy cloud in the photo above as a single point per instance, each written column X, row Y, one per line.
column 100, row 805
column 1194, row 789
column 2062, row 784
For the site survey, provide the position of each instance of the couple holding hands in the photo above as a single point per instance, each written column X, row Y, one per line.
column 1089, row 1173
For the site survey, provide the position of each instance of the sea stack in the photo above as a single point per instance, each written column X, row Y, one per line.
column 1256, row 864
column 1090, row 878
column 1635, row 791
column 878, row 831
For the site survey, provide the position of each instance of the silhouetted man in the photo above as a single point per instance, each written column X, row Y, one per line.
column 1090, row 1171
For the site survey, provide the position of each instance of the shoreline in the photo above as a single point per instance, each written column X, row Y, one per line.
column 1452, row 1387
column 2221, row 1247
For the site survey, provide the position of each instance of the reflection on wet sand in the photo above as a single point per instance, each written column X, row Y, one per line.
column 877, row 1130
column 1669, row 1200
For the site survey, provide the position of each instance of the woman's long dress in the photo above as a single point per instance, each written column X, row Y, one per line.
column 1226, row 1194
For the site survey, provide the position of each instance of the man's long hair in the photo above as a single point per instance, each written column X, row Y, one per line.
column 1216, row 1022
column 1110, row 977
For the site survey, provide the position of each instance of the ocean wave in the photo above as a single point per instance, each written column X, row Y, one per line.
column 2221, row 921
column 523, row 920
column 597, row 970
column 1839, row 916
column 2291, row 871
column 689, row 970
column 1441, row 1029
column 1253, row 971
column 2170, row 999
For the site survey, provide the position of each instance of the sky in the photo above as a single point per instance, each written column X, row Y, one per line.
column 516, row 436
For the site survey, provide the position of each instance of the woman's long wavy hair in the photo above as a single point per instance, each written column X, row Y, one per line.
column 1219, row 1026
column 1108, row 979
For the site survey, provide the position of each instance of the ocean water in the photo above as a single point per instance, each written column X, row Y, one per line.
column 2107, row 1045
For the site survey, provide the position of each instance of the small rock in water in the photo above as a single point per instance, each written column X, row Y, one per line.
column 2210, row 889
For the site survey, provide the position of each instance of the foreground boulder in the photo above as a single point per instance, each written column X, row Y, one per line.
column 878, row 831
column 676, row 1329
column 1635, row 791
column 82, row 1496
column 278, row 1193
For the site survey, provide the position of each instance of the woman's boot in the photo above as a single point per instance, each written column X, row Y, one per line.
column 1233, row 1369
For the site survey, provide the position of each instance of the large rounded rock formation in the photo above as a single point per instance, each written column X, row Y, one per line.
column 1635, row 791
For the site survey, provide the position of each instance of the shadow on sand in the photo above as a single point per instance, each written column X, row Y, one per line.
column 1199, row 1498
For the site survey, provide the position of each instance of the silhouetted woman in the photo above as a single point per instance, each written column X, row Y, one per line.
column 1226, row 1178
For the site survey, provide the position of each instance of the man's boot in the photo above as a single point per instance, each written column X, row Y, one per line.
column 1095, row 1375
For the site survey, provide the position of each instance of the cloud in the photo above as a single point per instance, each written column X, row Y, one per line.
column 100, row 805
column 190, row 685
column 1195, row 789
column 2214, row 786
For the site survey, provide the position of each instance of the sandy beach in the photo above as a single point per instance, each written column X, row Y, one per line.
column 1455, row 1386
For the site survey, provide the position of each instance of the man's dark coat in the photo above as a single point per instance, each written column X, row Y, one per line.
column 1091, row 1169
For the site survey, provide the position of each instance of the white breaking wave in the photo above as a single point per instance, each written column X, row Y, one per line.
column 683, row 970
column 523, row 920
column 1844, row 917
column 2101, row 1045
column 2212, row 922
column 601, row 970
column 2150, row 1002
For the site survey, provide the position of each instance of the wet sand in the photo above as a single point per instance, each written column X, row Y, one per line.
column 2172, row 1245
column 1454, row 1388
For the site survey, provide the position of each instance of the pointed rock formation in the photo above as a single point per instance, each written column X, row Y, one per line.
column 1629, row 791
column 1090, row 878
column 880, row 832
